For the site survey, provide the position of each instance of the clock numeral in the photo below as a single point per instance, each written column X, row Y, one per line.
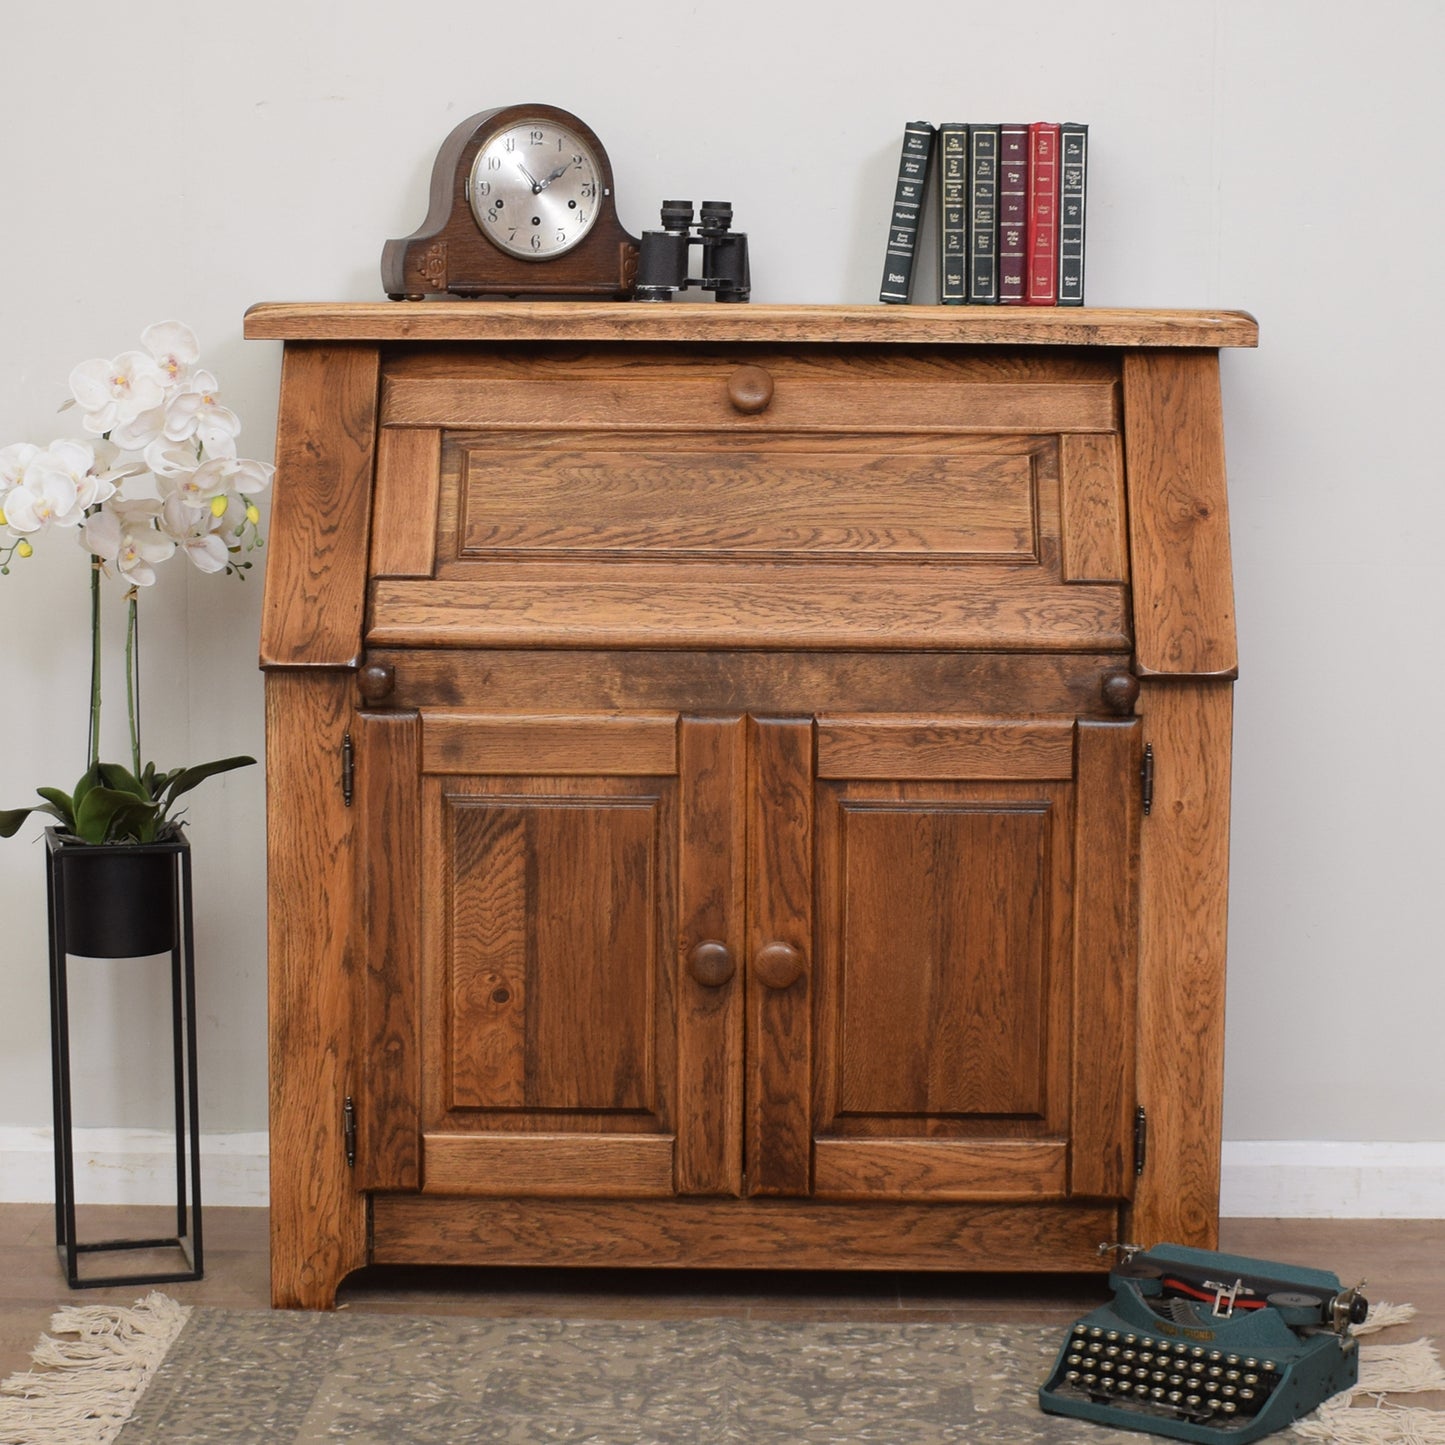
column 509, row 144
column 536, row 137
column 536, row 242
column 589, row 191
column 484, row 188
column 561, row 235
column 494, row 163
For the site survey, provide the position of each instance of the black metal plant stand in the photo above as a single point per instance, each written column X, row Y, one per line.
column 125, row 901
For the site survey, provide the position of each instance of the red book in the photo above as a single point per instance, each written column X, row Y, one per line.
column 1043, row 256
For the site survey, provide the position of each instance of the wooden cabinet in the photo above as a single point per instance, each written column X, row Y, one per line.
column 710, row 754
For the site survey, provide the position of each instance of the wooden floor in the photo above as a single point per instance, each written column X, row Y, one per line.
column 1403, row 1261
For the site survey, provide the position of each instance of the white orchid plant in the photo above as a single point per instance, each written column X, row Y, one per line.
column 158, row 475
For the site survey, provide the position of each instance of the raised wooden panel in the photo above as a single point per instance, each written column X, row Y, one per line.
column 552, row 956
column 315, row 589
column 557, row 1166
column 651, row 495
column 944, row 747
column 389, row 892
column 1178, row 515
column 939, row 1169
column 943, row 957
column 710, row 1044
column 778, row 1128
column 559, row 745
column 408, row 493
column 1091, row 485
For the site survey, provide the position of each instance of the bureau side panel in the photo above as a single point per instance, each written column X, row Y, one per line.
column 318, row 1219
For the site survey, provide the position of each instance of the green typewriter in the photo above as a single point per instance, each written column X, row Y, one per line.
column 1208, row 1347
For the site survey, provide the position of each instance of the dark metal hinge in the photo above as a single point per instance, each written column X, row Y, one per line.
column 348, row 769
column 348, row 1131
column 1146, row 778
column 1141, row 1139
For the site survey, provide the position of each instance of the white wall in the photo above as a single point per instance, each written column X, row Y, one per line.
column 1279, row 156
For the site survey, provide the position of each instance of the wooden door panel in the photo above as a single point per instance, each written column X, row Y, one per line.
column 553, row 955
column 976, row 957
column 946, row 911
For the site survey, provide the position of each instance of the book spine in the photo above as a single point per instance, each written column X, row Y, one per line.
column 1043, row 242
column 1013, row 212
column 983, row 214
column 1073, row 175
column 907, row 211
column 953, row 214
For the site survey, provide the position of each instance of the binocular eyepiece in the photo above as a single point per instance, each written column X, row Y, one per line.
column 663, row 256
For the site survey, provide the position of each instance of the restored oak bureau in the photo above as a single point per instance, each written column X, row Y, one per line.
column 748, row 785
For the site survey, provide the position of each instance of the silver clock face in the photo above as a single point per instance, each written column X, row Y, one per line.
column 534, row 189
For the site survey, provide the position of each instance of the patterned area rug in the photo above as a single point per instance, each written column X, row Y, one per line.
column 300, row 1379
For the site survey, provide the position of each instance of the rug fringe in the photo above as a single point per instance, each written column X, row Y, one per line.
column 1384, row 1369
column 94, row 1368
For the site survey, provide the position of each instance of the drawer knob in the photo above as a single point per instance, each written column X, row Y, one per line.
column 778, row 965
column 1121, row 692
column 711, row 963
column 750, row 389
column 377, row 681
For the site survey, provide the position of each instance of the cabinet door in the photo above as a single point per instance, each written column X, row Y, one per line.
column 975, row 968
column 524, row 878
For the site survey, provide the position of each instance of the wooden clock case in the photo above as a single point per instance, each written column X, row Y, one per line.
column 449, row 255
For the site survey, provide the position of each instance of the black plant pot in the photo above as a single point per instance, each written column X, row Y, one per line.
column 120, row 900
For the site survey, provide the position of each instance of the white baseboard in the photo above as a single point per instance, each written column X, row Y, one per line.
column 1322, row 1179
column 132, row 1166
column 1286, row 1179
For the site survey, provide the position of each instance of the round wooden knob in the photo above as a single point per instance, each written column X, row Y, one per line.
column 778, row 965
column 711, row 963
column 750, row 389
column 1121, row 692
column 377, row 681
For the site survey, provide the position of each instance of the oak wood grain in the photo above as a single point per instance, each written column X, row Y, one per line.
column 1105, row 962
column 939, row 1169
column 1183, row 905
column 1091, row 484
column 944, row 747
column 712, row 765
column 1178, row 515
column 389, row 893
column 778, row 1086
column 639, row 321
column 404, row 517
column 645, row 605
column 318, row 1217
column 315, row 595
column 693, row 403
column 743, row 1234
column 558, row 1166
column 777, row 681
column 563, row 744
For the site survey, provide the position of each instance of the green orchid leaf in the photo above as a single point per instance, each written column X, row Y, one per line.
column 62, row 806
column 13, row 819
column 187, row 778
column 110, row 815
column 122, row 780
column 89, row 779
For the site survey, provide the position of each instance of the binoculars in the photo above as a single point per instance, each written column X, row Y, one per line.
column 664, row 256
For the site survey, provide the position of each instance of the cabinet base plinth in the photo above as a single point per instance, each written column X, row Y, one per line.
column 740, row 1234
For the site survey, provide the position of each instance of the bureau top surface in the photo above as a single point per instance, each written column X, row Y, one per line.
column 488, row 321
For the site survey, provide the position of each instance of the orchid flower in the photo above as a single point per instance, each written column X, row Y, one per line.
column 123, row 535
column 195, row 412
column 174, row 349
column 115, row 393
column 196, row 531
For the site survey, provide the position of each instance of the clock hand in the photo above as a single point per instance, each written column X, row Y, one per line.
column 537, row 187
column 564, row 166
